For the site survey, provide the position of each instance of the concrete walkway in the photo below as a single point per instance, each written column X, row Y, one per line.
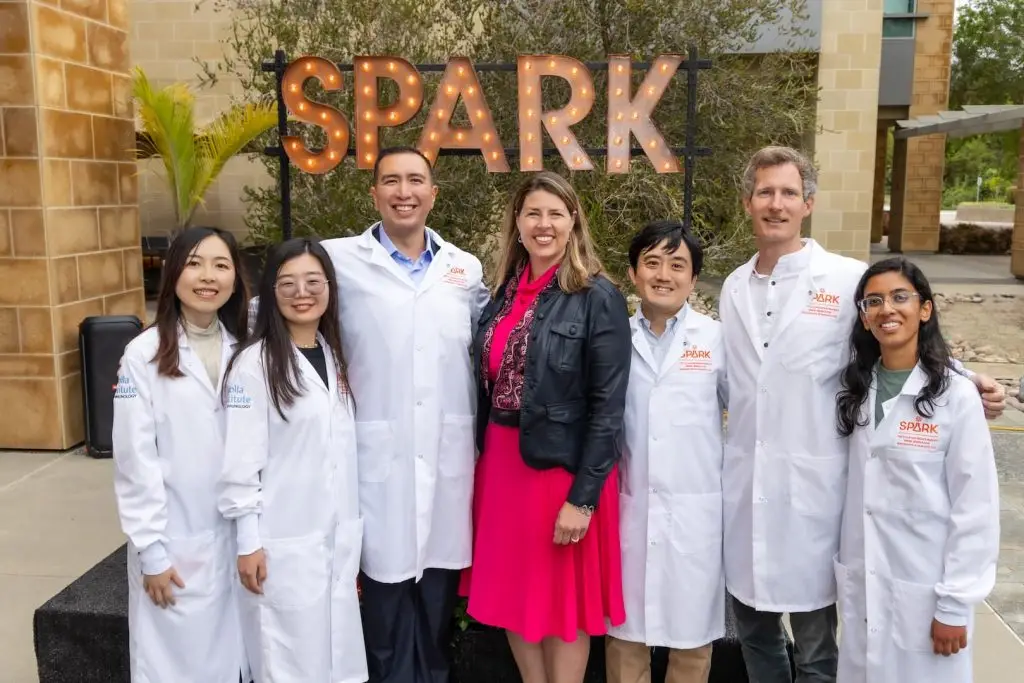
column 57, row 519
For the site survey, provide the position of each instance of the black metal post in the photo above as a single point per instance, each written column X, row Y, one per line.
column 693, row 66
column 278, row 66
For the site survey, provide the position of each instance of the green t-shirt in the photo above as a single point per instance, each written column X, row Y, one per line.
column 890, row 383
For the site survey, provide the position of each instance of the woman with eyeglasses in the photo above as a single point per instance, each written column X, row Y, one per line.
column 920, row 533
column 289, row 479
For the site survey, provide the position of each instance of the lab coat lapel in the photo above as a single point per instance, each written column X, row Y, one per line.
column 681, row 333
column 227, row 350
column 911, row 388
column 311, row 375
column 440, row 264
column 374, row 253
column 641, row 344
column 741, row 299
column 189, row 362
column 804, row 290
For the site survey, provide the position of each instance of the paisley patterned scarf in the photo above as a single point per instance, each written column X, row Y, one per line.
column 507, row 391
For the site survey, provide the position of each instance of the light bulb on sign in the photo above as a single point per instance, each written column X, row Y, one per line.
column 367, row 90
column 332, row 155
column 391, row 66
column 368, row 157
column 309, row 66
column 368, row 137
column 294, row 88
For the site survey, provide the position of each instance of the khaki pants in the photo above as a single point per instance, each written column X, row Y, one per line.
column 628, row 662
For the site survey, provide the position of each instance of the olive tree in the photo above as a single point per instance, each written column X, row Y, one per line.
column 744, row 101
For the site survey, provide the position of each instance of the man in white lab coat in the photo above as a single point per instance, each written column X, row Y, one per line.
column 787, row 315
column 671, row 468
column 409, row 302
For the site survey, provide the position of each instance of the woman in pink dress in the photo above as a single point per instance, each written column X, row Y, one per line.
column 553, row 354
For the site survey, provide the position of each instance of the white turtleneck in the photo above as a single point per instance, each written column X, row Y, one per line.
column 206, row 342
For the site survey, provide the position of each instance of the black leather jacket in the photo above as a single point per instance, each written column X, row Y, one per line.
column 574, row 391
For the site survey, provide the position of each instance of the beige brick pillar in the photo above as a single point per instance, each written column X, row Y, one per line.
column 851, row 51
column 69, row 232
column 1017, row 250
column 926, row 155
column 878, row 194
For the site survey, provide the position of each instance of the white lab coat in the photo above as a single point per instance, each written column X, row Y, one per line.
column 168, row 441
column 920, row 535
column 292, row 489
column 784, row 473
column 408, row 350
column 671, row 489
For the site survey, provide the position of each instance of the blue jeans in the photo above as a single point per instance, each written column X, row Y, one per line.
column 763, row 640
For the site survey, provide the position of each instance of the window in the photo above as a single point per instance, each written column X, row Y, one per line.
column 900, row 6
column 898, row 28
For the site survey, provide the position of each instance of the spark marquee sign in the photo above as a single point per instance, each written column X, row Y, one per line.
column 629, row 113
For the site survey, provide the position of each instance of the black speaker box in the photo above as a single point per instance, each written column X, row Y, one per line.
column 101, row 343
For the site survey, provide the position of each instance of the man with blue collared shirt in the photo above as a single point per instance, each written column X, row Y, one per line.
column 408, row 303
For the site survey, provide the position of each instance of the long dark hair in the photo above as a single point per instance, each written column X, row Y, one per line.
column 932, row 352
column 233, row 315
column 280, row 366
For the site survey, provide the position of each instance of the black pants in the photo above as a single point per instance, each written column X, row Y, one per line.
column 407, row 627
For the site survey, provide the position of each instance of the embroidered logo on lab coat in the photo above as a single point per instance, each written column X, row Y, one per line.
column 456, row 275
column 695, row 359
column 125, row 387
column 823, row 305
column 918, row 434
column 237, row 397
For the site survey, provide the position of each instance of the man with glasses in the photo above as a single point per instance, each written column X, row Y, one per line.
column 409, row 302
column 787, row 315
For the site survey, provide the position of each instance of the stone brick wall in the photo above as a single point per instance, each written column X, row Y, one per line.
column 925, row 156
column 69, row 233
column 851, row 49
column 167, row 37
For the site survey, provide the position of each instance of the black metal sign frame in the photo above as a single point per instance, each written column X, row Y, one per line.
column 692, row 65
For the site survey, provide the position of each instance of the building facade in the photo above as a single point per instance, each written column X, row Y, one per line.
column 74, row 202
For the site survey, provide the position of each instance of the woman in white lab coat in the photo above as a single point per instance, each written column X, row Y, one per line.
column 920, row 534
column 168, row 439
column 290, row 478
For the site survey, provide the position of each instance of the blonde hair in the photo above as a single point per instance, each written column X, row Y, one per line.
column 769, row 157
column 580, row 262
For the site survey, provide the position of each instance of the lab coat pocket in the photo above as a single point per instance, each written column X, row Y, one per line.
column 913, row 609
column 811, row 356
column 298, row 571
column 457, row 453
column 199, row 564
column 817, row 485
column 915, row 480
column 694, row 399
column 375, row 445
column 696, row 524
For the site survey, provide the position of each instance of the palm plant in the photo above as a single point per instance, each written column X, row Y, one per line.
column 193, row 159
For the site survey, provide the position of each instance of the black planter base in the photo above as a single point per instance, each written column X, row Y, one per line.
column 81, row 636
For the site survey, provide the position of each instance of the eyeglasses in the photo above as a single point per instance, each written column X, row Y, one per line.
column 290, row 290
column 875, row 302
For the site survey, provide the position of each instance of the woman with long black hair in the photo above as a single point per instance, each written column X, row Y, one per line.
column 920, row 534
column 168, row 437
column 290, row 478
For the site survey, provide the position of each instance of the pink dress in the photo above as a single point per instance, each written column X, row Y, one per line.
column 520, row 579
